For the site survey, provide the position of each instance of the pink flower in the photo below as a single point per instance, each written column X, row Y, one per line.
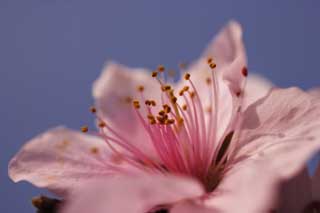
column 211, row 139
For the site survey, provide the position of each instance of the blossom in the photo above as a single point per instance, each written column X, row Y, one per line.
column 216, row 141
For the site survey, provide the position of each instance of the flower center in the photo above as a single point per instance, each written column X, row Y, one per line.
column 181, row 129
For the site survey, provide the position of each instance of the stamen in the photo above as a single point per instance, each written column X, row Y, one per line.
column 187, row 76
column 136, row 104
column 161, row 68
column 154, row 74
column 140, row 88
column 84, row 129
column 209, row 60
column 93, row 109
column 244, row 71
column 184, row 107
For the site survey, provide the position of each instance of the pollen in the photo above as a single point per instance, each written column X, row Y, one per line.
column 212, row 65
column 154, row 74
column 167, row 87
column 187, row 76
column 136, row 104
column 244, row 71
column 174, row 99
column 84, row 129
column 140, row 88
column 94, row 150
column 208, row 81
column 161, row 68
column 93, row 109
column 102, row 124
column 184, row 107
column 153, row 102
column 166, row 108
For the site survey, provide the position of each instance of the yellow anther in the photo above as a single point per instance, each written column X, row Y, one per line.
column 209, row 60
column 154, row 74
column 185, row 88
column 136, row 104
column 140, row 88
column 128, row 99
column 161, row 68
column 212, row 65
column 208, row 80
column 150, row 116
column 162, row 112
column 93, row 109
column 187, row 76
column 167, row 87
column 183, row 65
column 166, row 108
column 174, row 100
column 84, row 129
column 184, row 107
column 102, row 124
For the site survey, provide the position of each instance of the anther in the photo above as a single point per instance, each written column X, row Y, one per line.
column 140, row 88
column 209, row 60
column 187, row 76
column 208, row 81
column 183, row 65
column 161, row 68
column 181, row 92
column 84, row 129
column 136, row 104
column 162, row 112
column 153, row 103
column 154, row 74
column 184, row 107
column 147, row 102
column 244, row 71
column 174, row 100
column 102, row 124
column 93, row 109
column 166, row 108
column 167, row 87
column 212, row 65
column 192, row 94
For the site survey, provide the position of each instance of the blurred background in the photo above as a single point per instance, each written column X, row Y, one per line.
column 52, row 50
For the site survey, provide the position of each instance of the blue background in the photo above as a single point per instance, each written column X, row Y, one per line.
column 52, row 50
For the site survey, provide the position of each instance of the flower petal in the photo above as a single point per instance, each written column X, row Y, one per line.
column 60, row 160
column 248, row 187
column 114, row 91
column 283, row 129
column 132, row 194
column 256, row 87
column 316, row 184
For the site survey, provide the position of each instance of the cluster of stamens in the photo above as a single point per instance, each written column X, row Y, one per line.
column 184, row 140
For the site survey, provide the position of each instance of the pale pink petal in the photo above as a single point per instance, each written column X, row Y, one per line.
column 192, row 207
column 132, row 194
column 114, row 91
column 282, row 129
column 315, row 92
column 60, row 160
column 248, row 187
column 256, row 87
column 228, row 52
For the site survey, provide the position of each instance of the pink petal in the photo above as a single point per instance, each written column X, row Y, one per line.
column 132, row 194
column 315, row 92
column 283, row 129
column 60, row 160
column 112, row 92
column 227, row 51
column 247, row 187
column 191, row 207
column 256, row 87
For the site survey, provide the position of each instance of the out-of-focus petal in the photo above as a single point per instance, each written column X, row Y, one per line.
column 295, row 194
column 132, row 194
column 316, row 184
column 256, row 87
column 60, row 160
column 192, row 207
column 114, row 91
column 315, row 92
